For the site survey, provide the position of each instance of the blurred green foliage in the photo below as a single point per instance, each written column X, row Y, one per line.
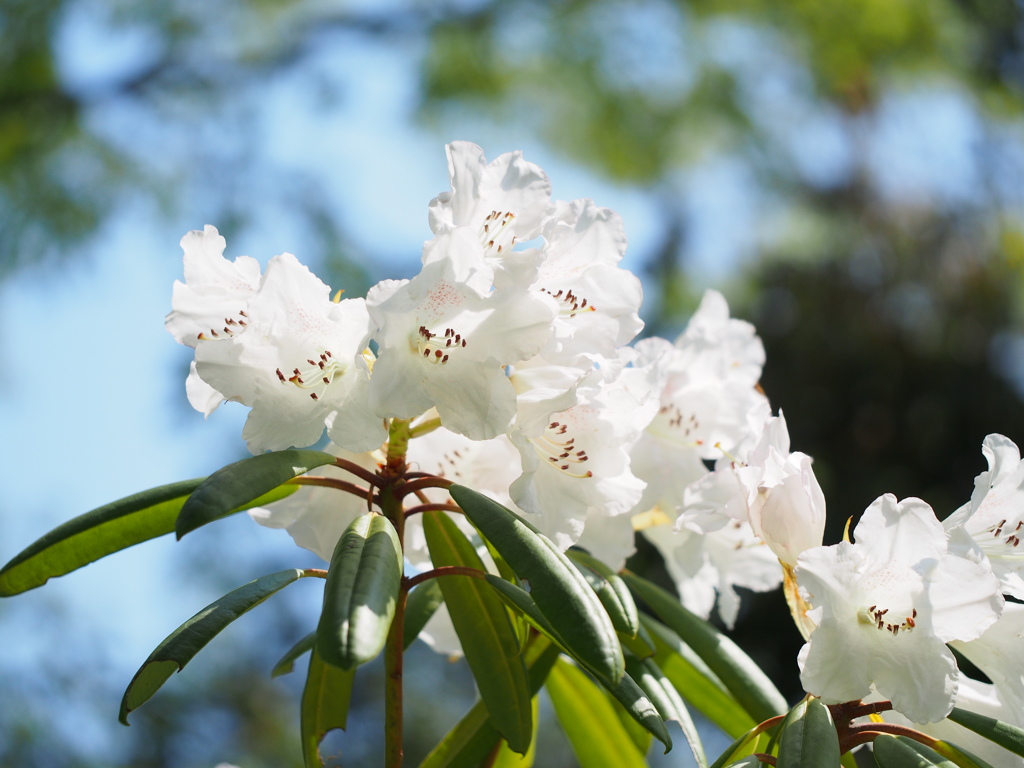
column 890, row 305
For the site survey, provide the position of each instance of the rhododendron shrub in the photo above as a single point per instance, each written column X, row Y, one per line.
column 493, row 438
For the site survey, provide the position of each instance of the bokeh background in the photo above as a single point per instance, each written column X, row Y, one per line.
column 850, row 175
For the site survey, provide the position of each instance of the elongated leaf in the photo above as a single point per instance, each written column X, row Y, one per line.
column 103, row 531
column 474, row 737
column 750, row 742
column 507, row 758
column 808, row 738
column 361, row 592
column 559, row 590
column 420, row 605
column 695, row 682
column 959, row 756
column 242, row 482
column 642, row 738
column 632, row 698
column 892, row 752
column 186, row 641
column 1005, row 735
column 740, row 675
column 668, row 701
column 597, row 737
column 751, row 761
column 287, row 662
column 325, row 702
column 611, row 590
column 488, row 638
column 520, row 601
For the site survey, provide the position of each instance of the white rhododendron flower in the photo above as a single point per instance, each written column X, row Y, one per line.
column 598, row 301
column 576, row 461
column 772, row 489
column 708, row 401
column 297, row 363
column 884, row 608
column 999, row 653
column 445, row 336
column 501, row 202
column 994, row 517
column 211, row 302
column 709, row 557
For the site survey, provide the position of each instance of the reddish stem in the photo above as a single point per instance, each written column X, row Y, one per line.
column 764, row 758
column 422, row 483
column 856, row 735
column 360, row 472
column 444, row 570
column 331, row 482
column 433, row 508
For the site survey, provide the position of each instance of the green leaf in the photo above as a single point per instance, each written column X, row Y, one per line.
column 325, row 702
column 186, row 641
column 751, row 761
column 103, row 531
column 597, row 737
column 611, row 590
column 1005, row 735
column 559, row 590
column 488, row 638
column 740, row 675
column 960, row 757
column 507, row 758
column 892, row 752
column 697, row 684
column 361, row 592
column 287, row 662
column 626, row 691
column 242, row 482
column 808, row 738
column 666, row 698
column 642, row 738
column 421, row 603
column 746, row 745
column 474, row 737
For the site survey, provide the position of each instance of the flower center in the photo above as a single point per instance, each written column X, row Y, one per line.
column 495, row 233
column 560, row 451
column 437, row 350
column 880, row 618
column 316, row 375
column 1005, row 540
column 231, row 327
column 570, row 303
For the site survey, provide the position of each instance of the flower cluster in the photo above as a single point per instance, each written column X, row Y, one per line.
column 511, row 352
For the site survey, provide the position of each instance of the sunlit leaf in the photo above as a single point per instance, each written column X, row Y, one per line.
column 507, row 758
column 361, row 592
column 1005, row 735
column 474, row 737
column 325, row 702
column 179, row 647
column 557, row 587
column 695, row 681
column 740, row 675
column 488, row 638
column 242, row 482
column 668, row 701
column 808, row 737
column 892, row 752
column 105, row 530
column 597, row 737
column 610, row 589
